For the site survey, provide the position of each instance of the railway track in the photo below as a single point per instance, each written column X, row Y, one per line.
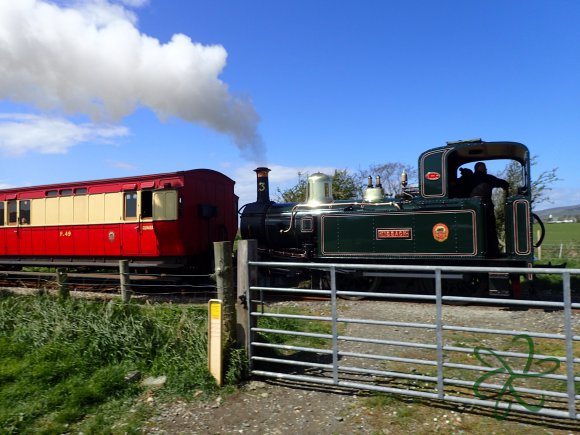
column 143, row 286
column 184, row 287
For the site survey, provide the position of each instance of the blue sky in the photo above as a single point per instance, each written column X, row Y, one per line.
column 99, row 89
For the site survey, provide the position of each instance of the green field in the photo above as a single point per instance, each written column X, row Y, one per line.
column 562, row 233
column 561, row 243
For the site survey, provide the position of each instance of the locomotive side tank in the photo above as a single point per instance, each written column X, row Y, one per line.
column 436, row 222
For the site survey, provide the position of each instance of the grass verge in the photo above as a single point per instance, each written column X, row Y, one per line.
column 64, row 363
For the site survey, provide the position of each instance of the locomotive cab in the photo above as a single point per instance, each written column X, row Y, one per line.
column 445, row 174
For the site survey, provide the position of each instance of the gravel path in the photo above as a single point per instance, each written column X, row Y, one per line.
column 270, row 406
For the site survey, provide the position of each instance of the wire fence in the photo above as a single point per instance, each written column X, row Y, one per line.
column 560, row 251
column 148, row 286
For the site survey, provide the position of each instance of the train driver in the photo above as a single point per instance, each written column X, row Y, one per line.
column 483, row 185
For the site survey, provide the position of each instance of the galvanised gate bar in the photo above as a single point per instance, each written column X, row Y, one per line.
column 436, row 359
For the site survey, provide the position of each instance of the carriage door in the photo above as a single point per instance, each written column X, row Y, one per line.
column 12, row 230
column 131, row 232
column 148, row 240
column 2, row 228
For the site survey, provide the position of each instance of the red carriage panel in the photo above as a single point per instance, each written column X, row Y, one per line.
column 110, row 235
column 51, row 241
column 81, row 239
column 170, row 241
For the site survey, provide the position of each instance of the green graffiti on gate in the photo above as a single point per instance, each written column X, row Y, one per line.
column 508, row 392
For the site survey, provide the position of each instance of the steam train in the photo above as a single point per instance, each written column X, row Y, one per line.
column 156, row 221
column 434, row 223
column 170, row 220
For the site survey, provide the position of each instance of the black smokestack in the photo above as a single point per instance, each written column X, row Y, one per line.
column 263, row 185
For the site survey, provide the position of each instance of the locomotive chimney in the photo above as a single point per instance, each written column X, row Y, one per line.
column 263, row 185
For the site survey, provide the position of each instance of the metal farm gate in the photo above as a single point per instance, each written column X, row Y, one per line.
column 420, row 345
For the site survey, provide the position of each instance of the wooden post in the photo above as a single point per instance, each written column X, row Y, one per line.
column 539, row 248
column 247, row 251
column 61, row 279
column 224, row 274
column 125, row 280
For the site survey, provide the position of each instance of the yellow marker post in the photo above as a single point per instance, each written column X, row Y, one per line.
column 215, row 349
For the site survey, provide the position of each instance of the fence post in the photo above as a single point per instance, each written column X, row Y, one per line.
column 224, row 273
column 61, row 279
column 125, row 280
column 539, row 249
column 247, row 251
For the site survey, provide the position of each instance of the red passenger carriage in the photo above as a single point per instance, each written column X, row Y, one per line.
column 162, row 220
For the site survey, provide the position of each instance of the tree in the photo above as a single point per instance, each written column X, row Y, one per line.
column 350, row 186
column 512, row 173
column 390, row 174
column 344, row 186
column 296, row 193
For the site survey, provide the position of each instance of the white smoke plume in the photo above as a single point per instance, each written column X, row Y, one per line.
column 88, row 57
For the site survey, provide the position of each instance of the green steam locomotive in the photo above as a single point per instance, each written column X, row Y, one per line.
column 443, row 220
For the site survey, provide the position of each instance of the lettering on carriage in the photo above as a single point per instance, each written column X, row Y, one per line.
column 65, row 233
column 147, row 227
column 394, row 233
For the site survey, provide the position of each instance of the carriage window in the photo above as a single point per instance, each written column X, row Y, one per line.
column 146, row 204
column 12, row 213
column 51, row 193
column 66, row 192
column 2, row 214
column 81, row 191
column 130, row 205
column 25, row 212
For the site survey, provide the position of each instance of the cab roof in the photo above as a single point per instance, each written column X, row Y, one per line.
column 476, row 149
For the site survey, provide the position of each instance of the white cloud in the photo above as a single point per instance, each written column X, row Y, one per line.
column 22, row 133
column 90, row 58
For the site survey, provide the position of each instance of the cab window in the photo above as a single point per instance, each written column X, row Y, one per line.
column 2, row 214
column 130, row 205
column 12, row 213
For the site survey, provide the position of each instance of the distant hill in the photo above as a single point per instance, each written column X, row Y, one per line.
column 557, row 213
